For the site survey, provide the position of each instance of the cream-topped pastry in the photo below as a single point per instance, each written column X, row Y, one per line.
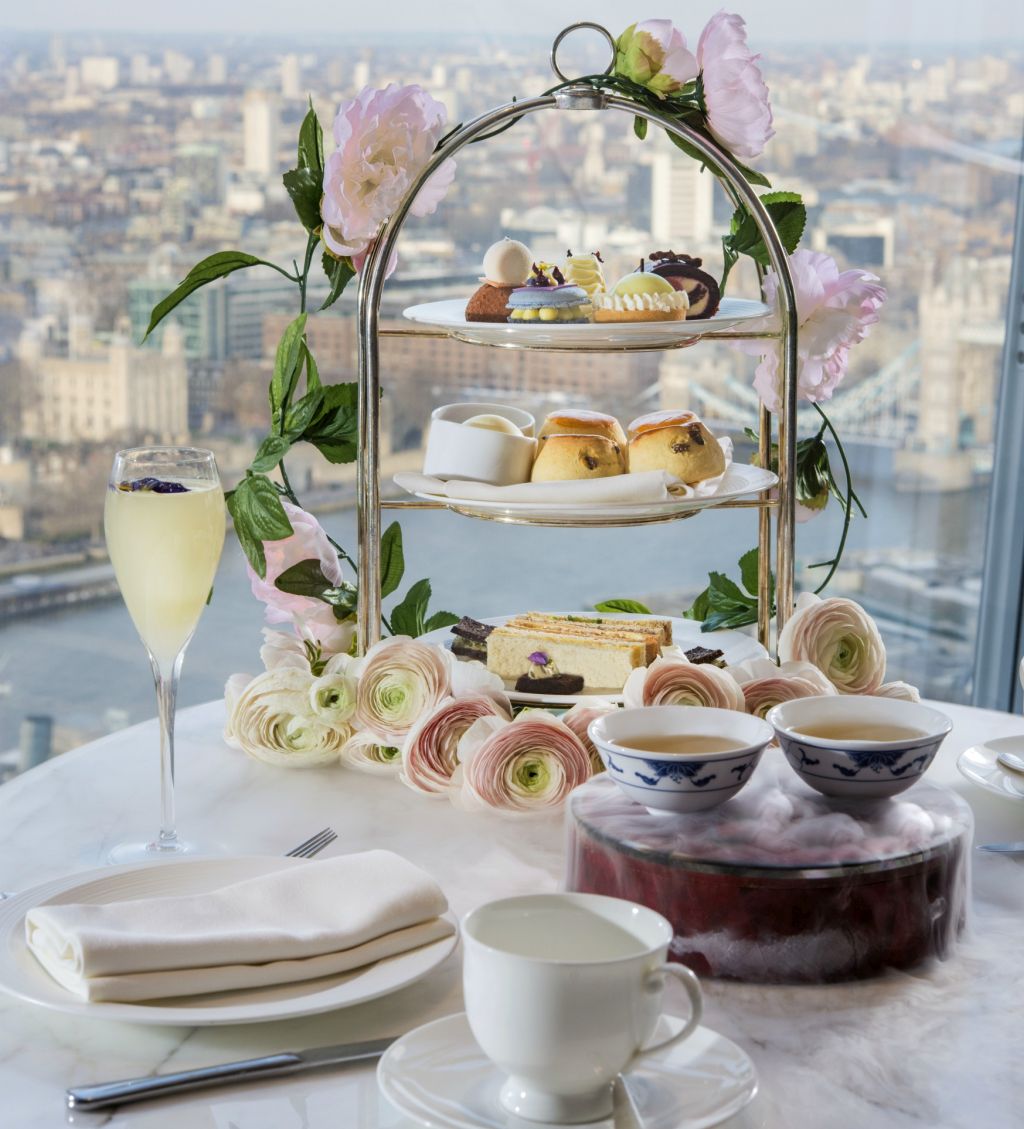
column 585, row 271
column 641, row 297
column 507, row 263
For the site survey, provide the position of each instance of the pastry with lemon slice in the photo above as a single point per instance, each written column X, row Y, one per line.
column 641, row 296
column 547, row 299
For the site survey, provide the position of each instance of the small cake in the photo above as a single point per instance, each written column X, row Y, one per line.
column 544, row 677
column 641, row 296
column 585, row 271
column 470, row 640
column 685, row 274
column 506, row 266
column 676, row 442
column 547, row 298
column 561, row 458
column 583, row 422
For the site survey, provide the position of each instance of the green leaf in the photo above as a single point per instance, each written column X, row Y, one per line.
column 271, row 451
column 344, row 599
column 748, row 571
column 313, row 381
column 738, row 617
column 301, row 414
column 211, row 268
column 441, row 619
column 306, row 187
column 787, row 212
column 286, row 368
column 339, row 273
column 724, row 592
column 700, row 608
column 255, row 507
column 622, row 605
column 304, row 579
column 311, row 142
column 334, row 429
column 408, row 617
column 392, row 559
column 640, row 127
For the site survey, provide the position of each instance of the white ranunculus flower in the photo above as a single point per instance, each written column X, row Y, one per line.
column 280, row 650
column 332, row 696
column 270, row 718
column 839, row 638
column 902, row 690
column 400, row 680
column 366, row 752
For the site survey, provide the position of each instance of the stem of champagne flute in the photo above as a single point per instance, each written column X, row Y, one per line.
column 166, row 696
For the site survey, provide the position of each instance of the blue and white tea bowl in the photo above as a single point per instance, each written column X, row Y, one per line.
column 857, row 769
column 679, row 782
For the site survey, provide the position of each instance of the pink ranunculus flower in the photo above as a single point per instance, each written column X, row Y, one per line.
column 385, row 138
column 400, row 680
column 654, row 54
column 839, row 638
column 526, row 765
column 679, row 682
column 735, row 95
column 835, row 310
column 311, row 619
column 901, row 690
column 430, row 752
column 766, row 685
column 578, row 719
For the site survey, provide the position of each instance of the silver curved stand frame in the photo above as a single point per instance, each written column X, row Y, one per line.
column 582, row 97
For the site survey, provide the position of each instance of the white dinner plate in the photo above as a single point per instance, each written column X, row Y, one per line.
column 438, row 1076
column 686, row 633
column 739, row 480
column 450, row 315
column 979, row 765
column 23, row 977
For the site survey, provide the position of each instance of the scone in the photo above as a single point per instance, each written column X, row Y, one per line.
column 583, row 422
column 641, row 296
column 561, row 458
column 676, row 442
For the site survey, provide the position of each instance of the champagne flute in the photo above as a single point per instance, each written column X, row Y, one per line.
column 164, row 522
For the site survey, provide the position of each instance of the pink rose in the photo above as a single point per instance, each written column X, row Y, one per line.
column 679, row 682
column 578, row 719
column 524, row 765
column 385, row 138
column 765, row 684
column 654, row 54
column 430, row 753
column 311, row 618
column 736, row 98
column 839, row 638
column 835, row 310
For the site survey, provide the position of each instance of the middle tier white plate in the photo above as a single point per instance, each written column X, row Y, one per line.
column 739, row 481
column 450, row 315
column 686, row 633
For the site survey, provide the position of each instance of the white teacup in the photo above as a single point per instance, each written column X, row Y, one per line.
column 562, row 992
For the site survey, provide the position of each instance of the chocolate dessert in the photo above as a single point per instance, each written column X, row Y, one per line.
column 684, row 273
column 489, row 303
column 555, row 684
column 470, row 640
column 698, row 655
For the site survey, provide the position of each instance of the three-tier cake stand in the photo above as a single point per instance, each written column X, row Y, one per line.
column 575, row 96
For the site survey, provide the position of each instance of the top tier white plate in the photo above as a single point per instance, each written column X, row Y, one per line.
column 450, row 315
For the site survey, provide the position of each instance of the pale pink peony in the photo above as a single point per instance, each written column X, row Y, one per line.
column 311, row 618
column 901, row 690
column 385, row 138
column 430, row 752
column 835, row 310
column 735, row 95
column 766, row 685
column 679, row 682
column 578, row 719
column 839, row 638
column 529, row 764
column 400, row 680
column 654, row 54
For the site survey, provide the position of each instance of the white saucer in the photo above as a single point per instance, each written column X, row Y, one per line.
column 22, row 976
column 438, row 1076
column 981, row 766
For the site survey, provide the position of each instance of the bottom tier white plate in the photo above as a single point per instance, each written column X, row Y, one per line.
column 979, row 765
column 23, row 977
column 686, row 633
column 438, row 1076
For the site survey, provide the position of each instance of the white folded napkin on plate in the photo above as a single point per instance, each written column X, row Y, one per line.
column 302, row 921
column 618, row 489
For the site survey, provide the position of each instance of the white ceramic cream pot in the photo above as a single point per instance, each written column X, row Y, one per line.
column 479, row 454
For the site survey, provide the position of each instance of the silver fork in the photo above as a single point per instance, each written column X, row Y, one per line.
column 312, row 846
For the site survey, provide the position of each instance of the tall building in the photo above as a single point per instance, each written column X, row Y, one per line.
column 216, row 69
column 260, row 126
column 682, row 199
column 101, row 72
column 291, row 78
column 203, row 167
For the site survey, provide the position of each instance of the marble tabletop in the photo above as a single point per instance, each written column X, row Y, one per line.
column 940, row 1048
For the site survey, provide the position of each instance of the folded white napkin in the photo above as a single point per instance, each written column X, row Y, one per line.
column 303, row 921
column 618, row 489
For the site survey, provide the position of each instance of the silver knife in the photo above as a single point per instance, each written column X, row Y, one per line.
column 1003, row 848
column 248, row 1070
